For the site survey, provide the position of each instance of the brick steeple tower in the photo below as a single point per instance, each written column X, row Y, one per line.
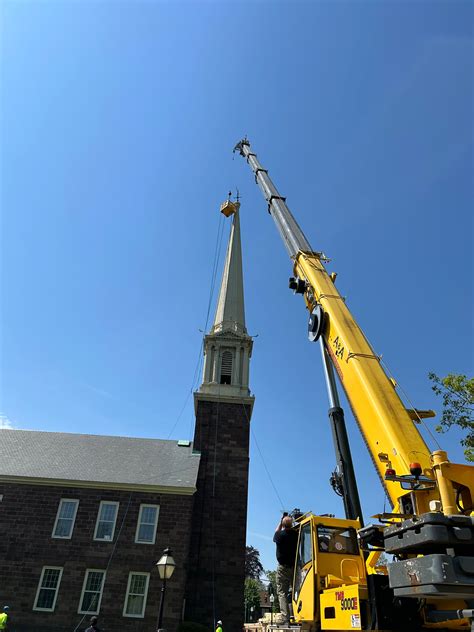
column 223, row 405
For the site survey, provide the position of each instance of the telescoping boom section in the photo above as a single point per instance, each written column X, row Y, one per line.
column 400, row 455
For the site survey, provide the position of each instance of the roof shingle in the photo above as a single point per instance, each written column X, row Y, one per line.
column 61, row 456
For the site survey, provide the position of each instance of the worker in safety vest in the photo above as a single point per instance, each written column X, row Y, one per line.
column 4, row 616
column 219, row 626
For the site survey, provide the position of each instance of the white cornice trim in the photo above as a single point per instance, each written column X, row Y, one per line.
column 223, row 399
column 138, row 487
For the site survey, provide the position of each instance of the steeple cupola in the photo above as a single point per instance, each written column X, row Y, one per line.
column 228, row 347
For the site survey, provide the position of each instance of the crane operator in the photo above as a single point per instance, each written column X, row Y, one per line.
column 286, row 540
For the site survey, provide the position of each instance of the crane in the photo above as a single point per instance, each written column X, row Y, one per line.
column 431, row 528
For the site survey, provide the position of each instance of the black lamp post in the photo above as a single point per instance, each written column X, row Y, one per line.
column 272, row 599
column 166, row 566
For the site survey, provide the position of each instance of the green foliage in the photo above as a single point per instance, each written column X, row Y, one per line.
column 253, row 566
column 252, row 590
column 457, row 392
column 272, row 589
column 191, row 626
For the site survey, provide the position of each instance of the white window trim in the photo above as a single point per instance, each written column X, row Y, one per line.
column 65, row 537
column 54, row 568
column 92, row 570
column 106, row 502
column 137, row 541
column 142, row 615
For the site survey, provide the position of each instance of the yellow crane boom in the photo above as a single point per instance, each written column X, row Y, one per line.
column 387, row 426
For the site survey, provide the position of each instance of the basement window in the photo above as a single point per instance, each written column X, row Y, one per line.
column 226, row 368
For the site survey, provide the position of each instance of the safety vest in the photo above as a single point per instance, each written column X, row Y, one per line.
column 3, row 620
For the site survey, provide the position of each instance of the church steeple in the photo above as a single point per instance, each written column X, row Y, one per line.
column 223, row 406
column 228, row 347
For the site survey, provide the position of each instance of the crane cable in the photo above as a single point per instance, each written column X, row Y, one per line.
column 97, row 595
column 282, row 506
column 198, row 365
column 213, row 510
column 215, row 265
column 214, row 477
column 405, row 395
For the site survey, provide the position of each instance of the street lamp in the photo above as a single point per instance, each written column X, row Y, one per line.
column 166, row 566
column 272, row 599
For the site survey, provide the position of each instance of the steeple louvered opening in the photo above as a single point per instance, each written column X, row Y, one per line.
column 226, row 368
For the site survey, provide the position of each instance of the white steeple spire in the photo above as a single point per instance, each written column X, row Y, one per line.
column 230, row 312
column 228, row 347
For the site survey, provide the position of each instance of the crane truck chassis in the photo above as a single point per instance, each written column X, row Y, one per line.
column 337, row 584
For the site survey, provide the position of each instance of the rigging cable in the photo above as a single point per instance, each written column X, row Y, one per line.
column 404, row 393
column 96, row 597
column 261, row 456
column 198, row 365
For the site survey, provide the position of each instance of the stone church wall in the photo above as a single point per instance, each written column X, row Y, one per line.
column 27, row 516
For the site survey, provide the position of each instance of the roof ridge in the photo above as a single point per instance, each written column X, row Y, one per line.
column 88, row 434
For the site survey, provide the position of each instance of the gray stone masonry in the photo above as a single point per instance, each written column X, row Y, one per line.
column 27, row 515
column 215, row 587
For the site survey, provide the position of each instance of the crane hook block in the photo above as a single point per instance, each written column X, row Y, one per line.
column 315, row 323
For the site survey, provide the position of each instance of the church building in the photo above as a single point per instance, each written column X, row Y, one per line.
column 85, row 518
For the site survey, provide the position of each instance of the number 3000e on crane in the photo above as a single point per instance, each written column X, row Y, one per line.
column 431, row 531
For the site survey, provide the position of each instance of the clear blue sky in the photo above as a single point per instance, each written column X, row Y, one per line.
column 117, row 124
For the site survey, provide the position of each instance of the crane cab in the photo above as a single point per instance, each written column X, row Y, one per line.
column 329, row 581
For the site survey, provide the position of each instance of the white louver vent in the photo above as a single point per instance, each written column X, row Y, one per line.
column 226, row 368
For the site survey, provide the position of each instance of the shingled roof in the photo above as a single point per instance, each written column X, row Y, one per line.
column 97, row 460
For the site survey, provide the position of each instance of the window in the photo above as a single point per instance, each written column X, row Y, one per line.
column 226, row 368
column 92, row 588
column 335, row 540
column 48, row 587
column 304, row 557
column 106, row 518
column 147, row 521
column 305, row 553
column 135, row 599
column 65, row 518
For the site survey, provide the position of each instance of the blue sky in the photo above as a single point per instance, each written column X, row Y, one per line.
column 117, row 124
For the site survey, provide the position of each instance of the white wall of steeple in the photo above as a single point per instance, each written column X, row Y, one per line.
column 217, row 350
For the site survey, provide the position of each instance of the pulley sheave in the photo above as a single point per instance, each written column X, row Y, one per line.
column 315, row 323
